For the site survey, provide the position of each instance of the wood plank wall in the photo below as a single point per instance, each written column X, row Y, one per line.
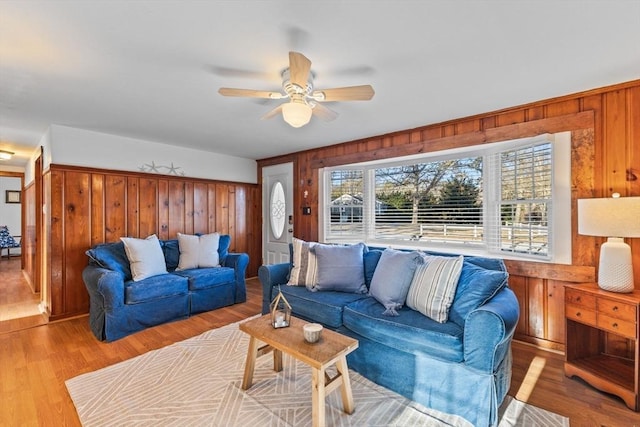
column 605, row 125
column 90, row 206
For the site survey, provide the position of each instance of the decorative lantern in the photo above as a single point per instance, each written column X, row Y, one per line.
column 280, row 311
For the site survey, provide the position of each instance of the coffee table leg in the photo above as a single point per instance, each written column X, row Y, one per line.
column 345, row 388
column 317, row 397
column 277, row 360
column 250, row 364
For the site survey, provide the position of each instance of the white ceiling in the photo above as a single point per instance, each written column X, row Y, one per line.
column 151, row 69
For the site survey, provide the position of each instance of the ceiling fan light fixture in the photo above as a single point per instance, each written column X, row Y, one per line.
column 6, row 155
column 296, row 114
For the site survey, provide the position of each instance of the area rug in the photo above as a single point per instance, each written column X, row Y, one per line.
column 196, row 382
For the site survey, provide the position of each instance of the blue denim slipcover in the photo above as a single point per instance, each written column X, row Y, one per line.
column 119, row 306
column 461, row 367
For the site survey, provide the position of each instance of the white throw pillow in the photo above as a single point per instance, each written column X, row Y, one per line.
column 305, row 265
column 198, row 251
column 145, row 257
column 434, row 286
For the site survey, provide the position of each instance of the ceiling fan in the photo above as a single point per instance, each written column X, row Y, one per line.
column 297, row 83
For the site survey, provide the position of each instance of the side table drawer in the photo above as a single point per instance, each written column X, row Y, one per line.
column 575, row 297
column 580, row 314
column 617, row 309
column 617, row 326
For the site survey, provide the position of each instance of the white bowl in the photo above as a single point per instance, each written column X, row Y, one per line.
column 312, row 332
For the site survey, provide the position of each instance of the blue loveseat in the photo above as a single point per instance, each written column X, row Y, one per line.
column 461, row 367
column 120, row 306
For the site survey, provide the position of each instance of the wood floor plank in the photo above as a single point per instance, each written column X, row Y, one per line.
column 35, row 362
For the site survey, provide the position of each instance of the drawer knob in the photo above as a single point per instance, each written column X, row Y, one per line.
column 615, row 308
column 578, row 314
column 615, row 325
column 579, row 299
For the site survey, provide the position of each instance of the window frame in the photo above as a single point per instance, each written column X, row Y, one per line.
column 559, row 243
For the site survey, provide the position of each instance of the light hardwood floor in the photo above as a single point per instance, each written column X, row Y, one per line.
column 35, row 362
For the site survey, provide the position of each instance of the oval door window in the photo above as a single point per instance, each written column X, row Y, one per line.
column 278, row 210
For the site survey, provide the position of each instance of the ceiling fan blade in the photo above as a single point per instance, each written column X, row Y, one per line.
column 351, row 93
column 323, row 112
column 299, row 67
column 272, row 113
column 249, row 93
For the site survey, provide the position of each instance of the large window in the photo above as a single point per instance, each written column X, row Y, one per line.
column 499, row 198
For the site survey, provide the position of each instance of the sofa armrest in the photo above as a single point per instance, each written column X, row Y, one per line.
column 239, row 262
column 105, row 287
column 488, row 331
column 270, row 276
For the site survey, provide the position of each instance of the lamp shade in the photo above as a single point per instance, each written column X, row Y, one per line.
column 615, row 218
column 297, row 114
column 609, row 217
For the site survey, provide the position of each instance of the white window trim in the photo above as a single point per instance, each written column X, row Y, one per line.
column 560, row 232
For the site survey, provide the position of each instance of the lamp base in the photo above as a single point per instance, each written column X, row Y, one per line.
column 615, row 273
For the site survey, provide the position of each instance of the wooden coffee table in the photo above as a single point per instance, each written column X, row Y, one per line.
column 332, row 348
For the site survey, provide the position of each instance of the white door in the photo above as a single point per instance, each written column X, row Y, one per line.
column 277, row 201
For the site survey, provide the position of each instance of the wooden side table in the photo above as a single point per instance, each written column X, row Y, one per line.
column 591, row 313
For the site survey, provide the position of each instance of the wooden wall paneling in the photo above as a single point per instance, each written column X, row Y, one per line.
column 55, row 295
column 188, row 207
column 176, row 208
column 163, row 209
column 534, row 113
column 115, row 207
column 554, row 317
column 632, row 173
column 510, row 118
column 77, row 239
column 200, row 208
column 240, row 220
column 212, row 201
column 615, row 156
column 97, row 209
column 231, row 212
column 561, row 108
column 537, row 307
column 222, row 208
column 518, row 285
column 148, row 207
column 133, row 207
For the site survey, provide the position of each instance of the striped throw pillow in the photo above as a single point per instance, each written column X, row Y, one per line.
column 434, row 286
column 305, row 265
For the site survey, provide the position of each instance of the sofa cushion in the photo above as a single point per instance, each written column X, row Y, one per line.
column 340, row 268
column 392, row 278
column 321, row 307
column 305, row 265
column 203, row 278
column 111, row 256
column 434, row 286
column 410, row 331
column 146, row 258
column 155, row 287
column 476, row 286
column 198, row 251
column 370, row 259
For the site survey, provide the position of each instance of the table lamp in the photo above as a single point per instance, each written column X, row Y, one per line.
column 616, row 217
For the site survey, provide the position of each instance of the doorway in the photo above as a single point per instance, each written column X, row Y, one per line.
column 17, row 298
column 277, row 211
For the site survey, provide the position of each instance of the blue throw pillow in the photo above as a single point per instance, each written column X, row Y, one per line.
column 371, row 259
column 392, row 278
column 340, row 268
column 111, row 256
column 475, row 287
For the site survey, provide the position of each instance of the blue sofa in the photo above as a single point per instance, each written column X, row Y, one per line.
column 461, row 367
column 120, row 306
